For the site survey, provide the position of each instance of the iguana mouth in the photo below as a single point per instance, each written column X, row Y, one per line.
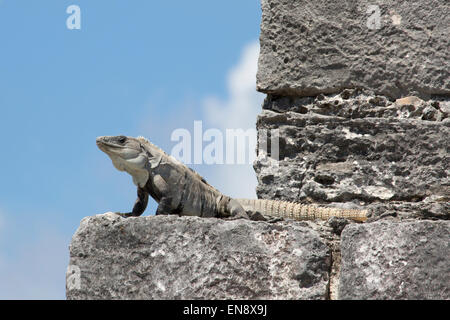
column 103, row 145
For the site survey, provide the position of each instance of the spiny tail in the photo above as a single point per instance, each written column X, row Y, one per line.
column 299, row 211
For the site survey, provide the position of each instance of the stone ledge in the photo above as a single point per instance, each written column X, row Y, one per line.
column 171, row 257
column 396, row 260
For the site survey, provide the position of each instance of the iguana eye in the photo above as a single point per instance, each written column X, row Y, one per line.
column 122, row 139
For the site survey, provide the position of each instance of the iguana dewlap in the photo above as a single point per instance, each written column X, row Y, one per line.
column 180, row 190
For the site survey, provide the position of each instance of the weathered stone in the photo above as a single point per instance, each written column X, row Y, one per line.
column 430, row 208
column 171, row 257
column 357, row 148
column 319, row 46
column 395, row 260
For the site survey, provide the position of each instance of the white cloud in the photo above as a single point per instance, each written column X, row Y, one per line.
column 244, row 102
column 239, row 110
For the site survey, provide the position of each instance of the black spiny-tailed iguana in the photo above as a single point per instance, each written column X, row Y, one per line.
column 180, row 190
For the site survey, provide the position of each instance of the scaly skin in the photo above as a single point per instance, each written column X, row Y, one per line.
column 180, row 190
column 298, row 211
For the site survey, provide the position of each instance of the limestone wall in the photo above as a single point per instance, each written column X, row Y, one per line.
column 360, row 94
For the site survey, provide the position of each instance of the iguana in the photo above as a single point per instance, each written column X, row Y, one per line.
column 180, row 190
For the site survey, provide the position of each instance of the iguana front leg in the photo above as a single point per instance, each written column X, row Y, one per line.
column 165, row 203
column 139, row 206
column 164, row 207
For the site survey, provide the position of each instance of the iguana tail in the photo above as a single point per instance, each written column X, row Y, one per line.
column 299, row 211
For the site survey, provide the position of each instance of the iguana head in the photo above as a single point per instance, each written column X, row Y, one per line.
column 128, row 154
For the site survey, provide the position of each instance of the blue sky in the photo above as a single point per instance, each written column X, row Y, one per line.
column 134, row 68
